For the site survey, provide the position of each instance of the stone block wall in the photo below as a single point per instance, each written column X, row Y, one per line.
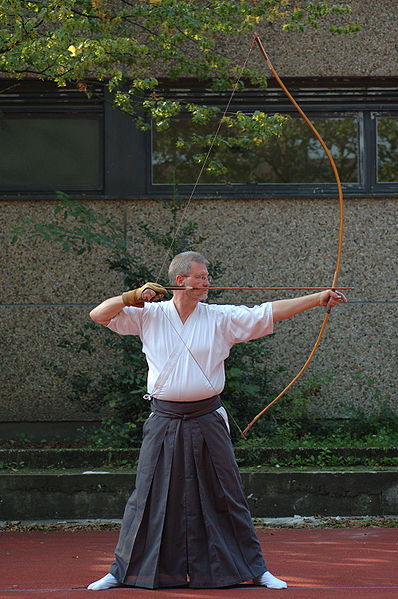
column 46, row 292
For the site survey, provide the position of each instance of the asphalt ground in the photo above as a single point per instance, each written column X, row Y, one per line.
column 317, row 563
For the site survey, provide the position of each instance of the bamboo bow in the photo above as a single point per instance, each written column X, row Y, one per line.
column 338, row 261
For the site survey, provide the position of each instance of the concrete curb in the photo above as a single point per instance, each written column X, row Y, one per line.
column 101, row 524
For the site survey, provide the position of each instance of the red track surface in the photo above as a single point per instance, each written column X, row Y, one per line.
column 355, row 563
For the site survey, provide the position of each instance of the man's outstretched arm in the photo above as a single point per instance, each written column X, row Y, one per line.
column 282, row 309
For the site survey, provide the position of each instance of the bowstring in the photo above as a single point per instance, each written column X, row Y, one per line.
column 204, row 164
column 182, row 218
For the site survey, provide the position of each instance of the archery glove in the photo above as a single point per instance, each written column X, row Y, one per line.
column 134, row 297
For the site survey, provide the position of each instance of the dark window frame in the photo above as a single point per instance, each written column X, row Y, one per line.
column 362, row 103
column 373, row 116
column 126, row 154
column 274, row 188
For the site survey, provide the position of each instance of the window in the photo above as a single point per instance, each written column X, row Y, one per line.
column 42, row 152
column 358, row 126
column 387, row 149
column 50, row 141
column 295, row 157
column 59, row 140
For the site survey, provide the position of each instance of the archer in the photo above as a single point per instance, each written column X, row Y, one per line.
column 187, row 521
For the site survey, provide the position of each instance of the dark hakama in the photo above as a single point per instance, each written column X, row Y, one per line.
column 188, row 518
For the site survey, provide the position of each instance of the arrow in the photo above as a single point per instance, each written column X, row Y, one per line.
column 187, row 287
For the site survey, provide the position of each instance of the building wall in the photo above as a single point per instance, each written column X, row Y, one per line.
column 47, row 292
column 371, row 52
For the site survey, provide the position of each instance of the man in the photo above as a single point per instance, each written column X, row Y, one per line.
column 187, row 521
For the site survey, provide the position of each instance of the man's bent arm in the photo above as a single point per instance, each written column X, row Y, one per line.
column 104, row 313
column 282, row 309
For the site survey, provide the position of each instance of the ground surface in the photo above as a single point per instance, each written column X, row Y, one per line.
column 317, row 563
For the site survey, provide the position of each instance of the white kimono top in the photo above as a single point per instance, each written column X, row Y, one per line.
column 186, row 361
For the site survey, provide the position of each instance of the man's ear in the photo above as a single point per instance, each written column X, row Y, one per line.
column 180, row 280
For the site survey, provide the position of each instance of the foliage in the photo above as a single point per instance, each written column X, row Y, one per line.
column 297, row 156
column 293, row 422
column 115, row 393
column 12, row 466
column 88, row 228
column 122, row 44
column 118, row 389
column 225, row 156
column 79, row 228
column 248, row 380
column 287, row 152
column 329, row 458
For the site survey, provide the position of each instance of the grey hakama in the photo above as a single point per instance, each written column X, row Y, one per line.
column 187, row 520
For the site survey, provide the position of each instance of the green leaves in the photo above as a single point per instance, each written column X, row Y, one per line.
column 82, row 228
column 314, row 12
column 130, row 46
column 238, row 133
column 65, row 41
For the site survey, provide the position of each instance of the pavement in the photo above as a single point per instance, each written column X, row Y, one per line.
column 354, row 562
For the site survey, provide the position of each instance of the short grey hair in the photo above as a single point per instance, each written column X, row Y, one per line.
column 181, row 264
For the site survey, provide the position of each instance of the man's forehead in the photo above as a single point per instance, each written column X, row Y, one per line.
column 198, row 266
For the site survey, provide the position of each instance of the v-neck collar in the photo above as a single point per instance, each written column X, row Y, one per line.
column 177, row 317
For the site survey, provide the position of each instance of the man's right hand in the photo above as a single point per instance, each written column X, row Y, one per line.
column 147, row 293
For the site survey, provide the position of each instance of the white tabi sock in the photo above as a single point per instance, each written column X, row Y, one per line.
column 271, row 582
column 107, row 582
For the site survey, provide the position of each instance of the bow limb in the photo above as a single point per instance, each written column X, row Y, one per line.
column 340, row 242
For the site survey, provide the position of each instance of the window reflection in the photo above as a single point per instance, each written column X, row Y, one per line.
column 296, row 157
column 387, row 149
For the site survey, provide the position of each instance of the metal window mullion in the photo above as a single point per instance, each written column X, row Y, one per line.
column 370, row 151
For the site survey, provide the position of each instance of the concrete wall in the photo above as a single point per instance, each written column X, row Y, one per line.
column 31, row 496
column 372, row 52
column 46, row 293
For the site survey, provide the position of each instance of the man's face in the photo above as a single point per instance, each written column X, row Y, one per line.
column 198, row 276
